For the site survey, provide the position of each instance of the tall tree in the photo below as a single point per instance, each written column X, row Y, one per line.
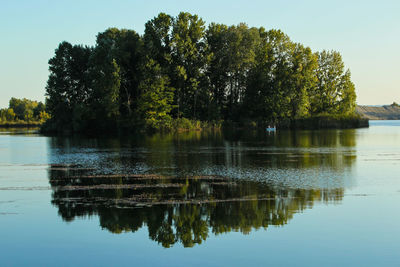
column 68, row 85
column 155, row 103
column 106, row 83
column 242, row 43
column 189, row 59
column 157, row 40
column 334, row 92
column 218, row 68
column 269, row 83
column 302, row 80
column 347, row 102
column 125, row 47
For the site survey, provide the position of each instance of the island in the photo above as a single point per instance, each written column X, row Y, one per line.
column 182, row 74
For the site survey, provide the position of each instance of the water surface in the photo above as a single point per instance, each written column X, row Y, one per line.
column 326, row 197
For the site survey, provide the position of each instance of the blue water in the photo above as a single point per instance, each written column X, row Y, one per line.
column 317, row 198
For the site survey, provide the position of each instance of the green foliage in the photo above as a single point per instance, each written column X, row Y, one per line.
column 7, row 115
column 106, row 87
column 23, row 108
column 334, row 93
column 23, row 111
column 188, row 53
column 184, row 124
column 218, row 68
column 117, row 62
column 68, row 84
column 155, row 103
column 277, row 85
column 180, row 71
column 157, row 40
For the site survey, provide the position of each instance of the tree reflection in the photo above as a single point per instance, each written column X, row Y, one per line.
column 178, row 209
column 284, row 174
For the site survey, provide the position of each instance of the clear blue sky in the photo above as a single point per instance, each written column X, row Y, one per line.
column 366, row 33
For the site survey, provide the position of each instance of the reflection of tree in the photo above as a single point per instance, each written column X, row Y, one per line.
column 179, row 207
column 193, row 152
column 178, row 214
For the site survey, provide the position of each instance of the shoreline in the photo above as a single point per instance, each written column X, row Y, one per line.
column 324, row 122
column 20, row 125
column 312, row 123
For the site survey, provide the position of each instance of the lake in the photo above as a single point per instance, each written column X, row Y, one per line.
column 314, row 198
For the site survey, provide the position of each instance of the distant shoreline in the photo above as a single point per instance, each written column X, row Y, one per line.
column 386, row 112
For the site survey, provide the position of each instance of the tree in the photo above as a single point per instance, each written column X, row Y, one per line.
column 218, row 68
column 68, row 87
column 157, row 40
column 235, row 73
column 38, row 109
column 125, row 47
column 334, row 92
column 302, row 80
column 269, row 85
column 23, row 108
column 104, row 101
column 7, row 115
column 242, row 43
column 347, row 96
column 26, row 110
column 155, row 103
column 188, row 61
column 10, row 115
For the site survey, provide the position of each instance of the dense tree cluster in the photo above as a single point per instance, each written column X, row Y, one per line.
column 23, row 110
column 179, row 68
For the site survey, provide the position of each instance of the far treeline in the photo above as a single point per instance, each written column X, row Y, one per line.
column 23, row 112
column 182, row 73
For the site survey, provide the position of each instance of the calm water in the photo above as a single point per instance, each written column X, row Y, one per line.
column 325, row 198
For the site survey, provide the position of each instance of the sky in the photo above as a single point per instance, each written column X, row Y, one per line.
column 366, row 33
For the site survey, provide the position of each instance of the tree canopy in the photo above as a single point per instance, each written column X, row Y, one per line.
column 182, row 68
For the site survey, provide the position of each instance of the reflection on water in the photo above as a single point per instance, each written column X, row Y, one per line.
column 288, row 157
column 114, row 201
column 178, row 209
column 19, row 131
column 184, row 187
